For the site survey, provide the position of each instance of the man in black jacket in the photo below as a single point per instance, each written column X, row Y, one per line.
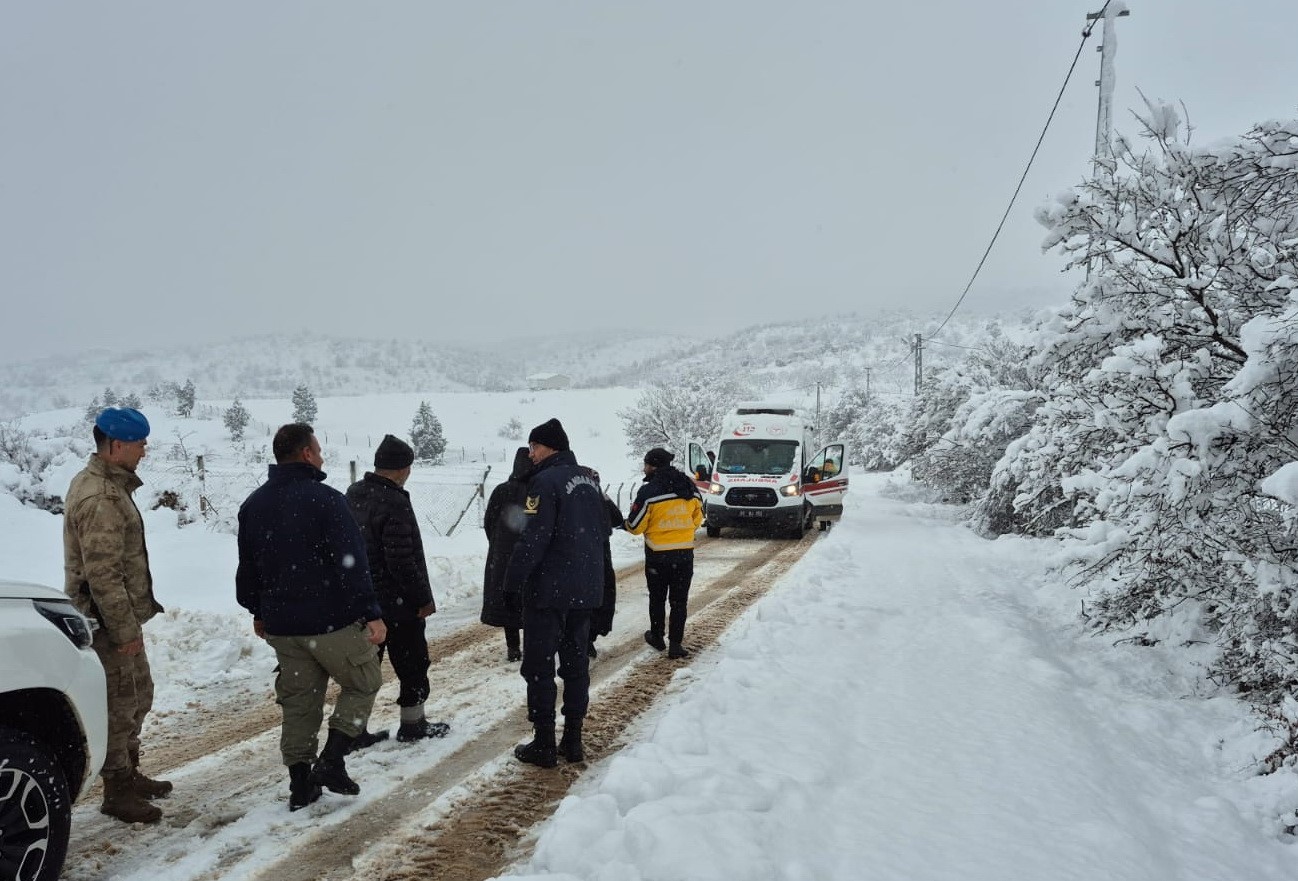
column 556, row 572
column 304, row 576
column 400, row 575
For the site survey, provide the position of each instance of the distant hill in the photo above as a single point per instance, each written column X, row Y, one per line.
column 833, row 350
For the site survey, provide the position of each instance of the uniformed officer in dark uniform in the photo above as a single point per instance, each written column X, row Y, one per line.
column 556, row 573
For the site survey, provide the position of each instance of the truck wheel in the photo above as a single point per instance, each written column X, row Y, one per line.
column 35, row 809
column 713, row 531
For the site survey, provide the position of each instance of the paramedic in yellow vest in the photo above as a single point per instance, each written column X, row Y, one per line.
column 666, row 511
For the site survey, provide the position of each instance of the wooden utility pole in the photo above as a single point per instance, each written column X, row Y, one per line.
column 867, row 385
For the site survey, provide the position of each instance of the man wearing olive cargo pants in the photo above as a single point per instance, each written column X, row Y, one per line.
column 304, row 576
column 106, row 573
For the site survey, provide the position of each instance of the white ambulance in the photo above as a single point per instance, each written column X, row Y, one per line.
column 768, row 474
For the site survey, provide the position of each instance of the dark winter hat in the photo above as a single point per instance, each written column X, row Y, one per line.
column 550, row 434
column 123, row 424
column 658, row 457
column 393, row 454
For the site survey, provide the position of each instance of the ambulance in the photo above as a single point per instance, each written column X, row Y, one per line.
column 768, row 474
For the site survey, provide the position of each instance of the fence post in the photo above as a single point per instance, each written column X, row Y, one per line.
column 352, row 468
column 202, row 487
column 481, row 493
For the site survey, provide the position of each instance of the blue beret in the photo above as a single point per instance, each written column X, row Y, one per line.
column 123, row 424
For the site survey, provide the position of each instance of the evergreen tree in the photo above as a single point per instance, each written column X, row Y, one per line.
column 236, row 420
column 185, row 396
column 93, row 408
column 132, row 400
column 426, row 435
column 304, row 406
column 110, row 398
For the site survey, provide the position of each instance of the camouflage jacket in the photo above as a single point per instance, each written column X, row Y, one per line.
column 105, row 563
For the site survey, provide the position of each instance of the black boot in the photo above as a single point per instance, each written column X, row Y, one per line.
column 301, row 791
column 330, row 770
column 409, row 731
column 570, row 746
column 541, row 751
column 655, row 640
column 368, row 738
column 678, row 651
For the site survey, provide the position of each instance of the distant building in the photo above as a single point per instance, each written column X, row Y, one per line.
column 539, row 381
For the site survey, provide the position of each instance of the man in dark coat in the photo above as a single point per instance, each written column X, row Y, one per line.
column 304, row 575
column 557, row 570
column 504, row 521
column 395, row 549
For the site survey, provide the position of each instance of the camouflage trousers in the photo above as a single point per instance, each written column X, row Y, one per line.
column 130, row 697
column 306, row 664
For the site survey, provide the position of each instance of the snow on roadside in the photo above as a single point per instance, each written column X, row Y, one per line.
column 917, row 703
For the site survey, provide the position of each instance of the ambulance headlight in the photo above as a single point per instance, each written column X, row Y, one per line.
column 791, row 489
column 716, row 489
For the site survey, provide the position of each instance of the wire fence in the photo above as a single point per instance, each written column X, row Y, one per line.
column 448, row 498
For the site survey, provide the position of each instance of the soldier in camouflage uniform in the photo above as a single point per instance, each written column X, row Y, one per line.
column 106, row 571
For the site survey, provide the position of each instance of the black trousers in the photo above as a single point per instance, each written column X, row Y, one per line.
column 547, row 632
column 407, row 649
column 668, row 574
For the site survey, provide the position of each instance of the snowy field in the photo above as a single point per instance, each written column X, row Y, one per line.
column 911, row 702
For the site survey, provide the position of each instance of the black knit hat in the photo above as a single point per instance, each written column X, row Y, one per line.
column 393, row 454
column 550, row 434
column 658, row 457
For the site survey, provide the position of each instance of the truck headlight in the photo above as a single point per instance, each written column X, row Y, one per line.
column 791, row 489
column 66, row 618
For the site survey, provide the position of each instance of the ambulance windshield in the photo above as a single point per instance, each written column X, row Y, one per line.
column 756, row 456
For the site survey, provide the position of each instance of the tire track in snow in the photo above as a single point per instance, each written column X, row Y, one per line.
column 485, row 829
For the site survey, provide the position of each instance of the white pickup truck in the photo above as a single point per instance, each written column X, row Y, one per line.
column 53, row 726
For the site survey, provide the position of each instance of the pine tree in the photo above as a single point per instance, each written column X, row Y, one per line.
column 93, row 408
column 304, row 406
column 185, row 399
column 426, row 435
column 236, row 420
column 110, row 397
column 132, row 400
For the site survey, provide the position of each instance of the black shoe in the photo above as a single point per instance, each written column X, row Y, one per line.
column 410, row 731
column 541, row 751
column 570, row 746
column 368, row 738
column 590, row 651
column 301, row 790
column 655, row 640
column 678, row 651
column 514, row 655
column 330, row 770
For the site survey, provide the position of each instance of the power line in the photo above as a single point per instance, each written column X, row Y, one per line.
column 1086, row 33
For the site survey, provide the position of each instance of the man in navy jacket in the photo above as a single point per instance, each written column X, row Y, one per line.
column 304, row 576
column 556, row 572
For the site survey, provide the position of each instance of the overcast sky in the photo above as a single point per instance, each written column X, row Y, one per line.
column 193, row 171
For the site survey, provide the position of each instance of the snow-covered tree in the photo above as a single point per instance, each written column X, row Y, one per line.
column 131, row 399
column 93, row 409
column 1172, row 396
column 304, row 406
column 110, row 398
column 426, row 435
column 687, row 408
column 185, row 397
column 236, row 419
